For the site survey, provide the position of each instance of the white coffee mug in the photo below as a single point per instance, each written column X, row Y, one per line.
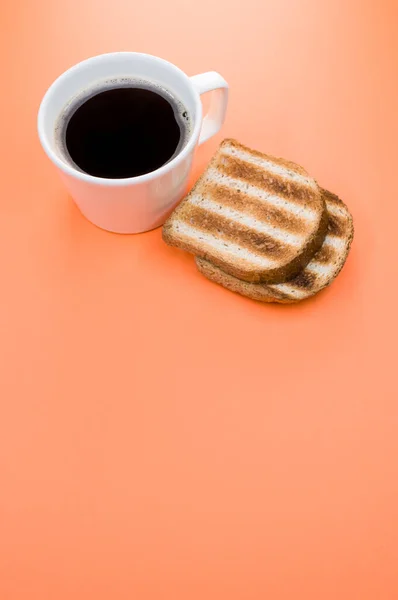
column 140, row 203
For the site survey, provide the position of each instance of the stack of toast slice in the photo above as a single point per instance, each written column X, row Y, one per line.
column 262, row 227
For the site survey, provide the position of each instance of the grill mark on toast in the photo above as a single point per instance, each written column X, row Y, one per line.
column 230, row 231
column 291, row 169
column 304, row 280
column 210, row 243
column 212, row 176
column 336, row 226
column 326, row 254
column 270, row 182
column 243, row 219
column 250, row 205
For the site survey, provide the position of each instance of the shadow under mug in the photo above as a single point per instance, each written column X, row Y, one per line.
column 135, row 204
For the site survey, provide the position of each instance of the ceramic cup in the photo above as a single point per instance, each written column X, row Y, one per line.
column 135, row 204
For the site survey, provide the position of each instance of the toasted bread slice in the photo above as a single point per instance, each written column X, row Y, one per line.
column 257, row 217
column 319, row 273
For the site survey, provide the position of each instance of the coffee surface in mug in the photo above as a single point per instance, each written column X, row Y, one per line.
column 123, row 128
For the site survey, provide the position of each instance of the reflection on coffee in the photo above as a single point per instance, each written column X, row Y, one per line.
column 123, row 128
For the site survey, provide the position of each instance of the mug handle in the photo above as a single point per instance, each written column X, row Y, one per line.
column 212, row 82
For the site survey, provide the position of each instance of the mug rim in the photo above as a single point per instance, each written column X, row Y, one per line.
column 69, row 170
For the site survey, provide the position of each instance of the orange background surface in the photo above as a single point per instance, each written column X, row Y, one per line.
column 161, row 437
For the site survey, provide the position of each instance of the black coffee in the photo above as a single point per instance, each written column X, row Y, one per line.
column 125, row 130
